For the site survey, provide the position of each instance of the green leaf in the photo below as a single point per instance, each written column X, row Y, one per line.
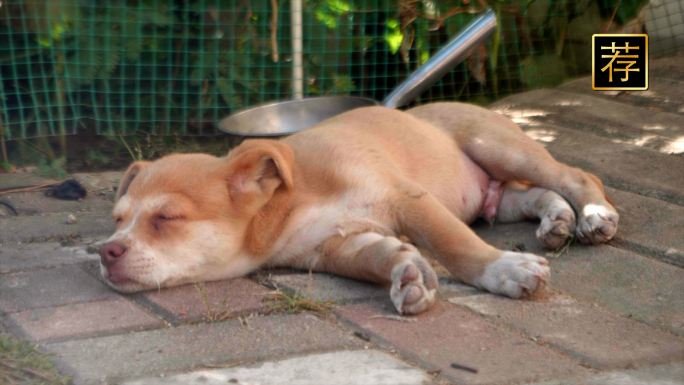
column 60, row 174
column 543, row 71
column 58, row 163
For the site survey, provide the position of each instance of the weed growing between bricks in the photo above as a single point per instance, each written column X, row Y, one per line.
column 22, row 363
column 295, row 304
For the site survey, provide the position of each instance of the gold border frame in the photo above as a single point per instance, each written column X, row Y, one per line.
column 593, row 63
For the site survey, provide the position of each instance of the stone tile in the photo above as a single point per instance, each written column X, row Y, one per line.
column 619, row 165
column 664, row 94
column 595, row 115
column 50, row 287
column 16, row 180
column 82, row 321
column 152, row 353
column 228, row 298
column 49, row 226
column 622, row 281
column 447, row 334
column 450, row 288
column 326, row 287
column 656, row 375
column 650, row 226
column 26, row 256
column 368, row 367
column 595, row 336
column 36, row 203
column 669, row 67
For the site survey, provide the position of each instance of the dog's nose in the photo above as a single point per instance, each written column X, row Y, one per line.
column 111, row 253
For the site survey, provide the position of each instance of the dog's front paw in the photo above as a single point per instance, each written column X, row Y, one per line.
column 557, row 225
column 414, row 284
column 516, row 275
column 597, row 224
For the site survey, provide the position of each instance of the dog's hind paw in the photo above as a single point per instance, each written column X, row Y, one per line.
column 515, row 275
column 597, row 224
column 557, row 225
column 414, row 284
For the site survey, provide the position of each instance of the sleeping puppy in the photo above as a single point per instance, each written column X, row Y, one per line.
column 335, row 197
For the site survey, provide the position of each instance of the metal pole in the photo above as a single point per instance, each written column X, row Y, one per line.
column 456, row 50
column 297, row 62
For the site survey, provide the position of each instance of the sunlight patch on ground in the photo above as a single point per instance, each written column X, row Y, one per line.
column 566, row 103
column 638, row 141
column 654, row 127
column 676, row 146
column 521, row 116
column 644, row 94
column 546, row 136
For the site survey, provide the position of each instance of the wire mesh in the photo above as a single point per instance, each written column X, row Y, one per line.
column 179, row 66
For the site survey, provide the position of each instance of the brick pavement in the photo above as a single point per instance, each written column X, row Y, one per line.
column 612, row 314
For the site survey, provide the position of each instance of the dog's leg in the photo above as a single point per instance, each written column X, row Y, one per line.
column 377, row 258
column 502, row 149
column 557, row 217
column 467, row 257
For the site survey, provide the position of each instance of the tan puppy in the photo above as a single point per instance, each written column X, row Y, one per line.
column 335, row 197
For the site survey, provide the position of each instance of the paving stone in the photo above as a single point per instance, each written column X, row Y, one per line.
column 81, row 321
column 450, row 288
column 368, row 367
column 650, row 226
column 227, row 298
column 151, row 353
column 656, row 375
column 623, row 166
column 595, row 336
column 669, row 67
column 663, row 94
column 35, row 203
column 98, row 181
column 22, row 179
column 447, row 334
column 50, row 226
column 50, row 287
column 326, row 287
column 26, row 256
column 622, row 281
column 591, row 114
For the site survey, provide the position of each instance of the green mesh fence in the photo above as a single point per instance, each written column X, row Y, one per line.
column 178, row 67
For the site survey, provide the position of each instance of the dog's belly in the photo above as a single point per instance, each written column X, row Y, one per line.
column 465, row 191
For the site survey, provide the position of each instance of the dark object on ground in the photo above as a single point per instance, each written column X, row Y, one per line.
column 519, row 247
column 69, row 189
column 9, row 206
column 463, row 367
column 362, row 336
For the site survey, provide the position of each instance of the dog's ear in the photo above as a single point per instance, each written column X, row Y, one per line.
column 131, row 173
column 260, row 167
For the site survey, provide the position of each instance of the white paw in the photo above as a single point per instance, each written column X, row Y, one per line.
column 597, row 224
column 514, row 274
column 557, row 224
column 414, row 284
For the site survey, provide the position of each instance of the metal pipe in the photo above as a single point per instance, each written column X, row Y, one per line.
column 297, row 61
column 456, row 50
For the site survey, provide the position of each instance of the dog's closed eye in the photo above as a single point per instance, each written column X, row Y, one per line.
column 161, row 219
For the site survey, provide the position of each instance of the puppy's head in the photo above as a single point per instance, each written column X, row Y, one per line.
column 188, row 218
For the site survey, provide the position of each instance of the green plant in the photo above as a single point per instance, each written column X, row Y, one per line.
column 215, row 312
column 97, row 158
column 52, row 169
column 23, row 363
column 293, row 304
